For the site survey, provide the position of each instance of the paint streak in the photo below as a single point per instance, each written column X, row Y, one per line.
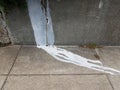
column 38, row 21
column 50, row 33
column 36, row 14
column 100, row 4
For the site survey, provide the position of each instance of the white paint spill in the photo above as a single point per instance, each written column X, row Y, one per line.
column 58, row 53
column 69, row 57
column 38, row 21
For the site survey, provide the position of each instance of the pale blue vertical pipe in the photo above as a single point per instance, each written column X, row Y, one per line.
column 38, row 21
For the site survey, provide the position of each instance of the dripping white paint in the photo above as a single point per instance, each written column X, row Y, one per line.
column 45, row 36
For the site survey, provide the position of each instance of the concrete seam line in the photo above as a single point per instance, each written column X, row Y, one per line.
column 11, row 68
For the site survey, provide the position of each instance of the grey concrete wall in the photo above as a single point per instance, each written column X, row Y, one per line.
column 74, row 22
column 20, row 27
column 83, row 22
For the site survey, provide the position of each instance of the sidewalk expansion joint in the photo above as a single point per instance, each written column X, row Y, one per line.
column 110, row 82
column 55, row 74
column 10, row 68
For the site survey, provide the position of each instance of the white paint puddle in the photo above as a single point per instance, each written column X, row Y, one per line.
column 45, row 37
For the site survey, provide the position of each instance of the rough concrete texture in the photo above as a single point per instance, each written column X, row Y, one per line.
column 34, row 69
column 82, row 21
column 2, row 79
column 111, row 57
column 69, row 82
column 4, row 38
column 9, row 54
column 115, row 80
column 20, row 27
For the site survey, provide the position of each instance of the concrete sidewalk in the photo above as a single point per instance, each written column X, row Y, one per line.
column 30, row 68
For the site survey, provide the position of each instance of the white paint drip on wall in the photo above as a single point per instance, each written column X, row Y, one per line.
column 100, row 4
column 38, row 21
column 50, row 33
column 59, row 53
